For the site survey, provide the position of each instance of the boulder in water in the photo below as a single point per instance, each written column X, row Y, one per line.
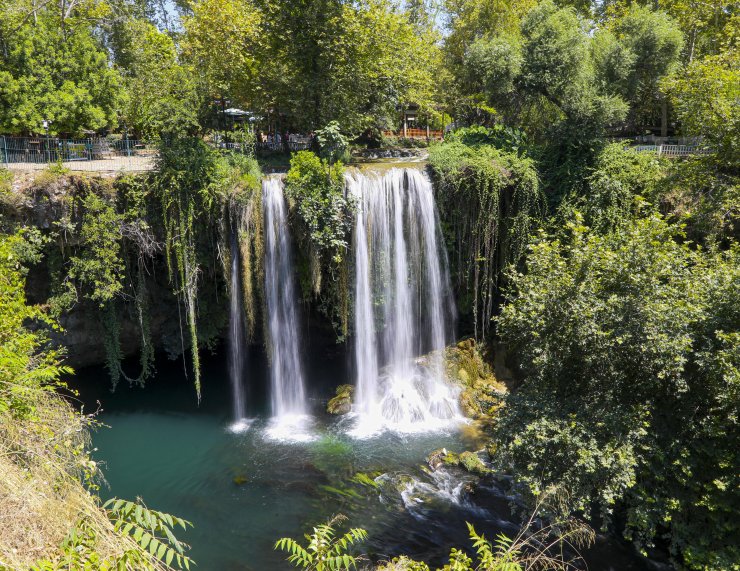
column 342, row 402
column 472, row 463
column 468, row 461
column 437, row 458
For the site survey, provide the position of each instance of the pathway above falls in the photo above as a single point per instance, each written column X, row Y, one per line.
column 403, row 306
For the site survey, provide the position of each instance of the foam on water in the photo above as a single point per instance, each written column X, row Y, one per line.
column 291, row 428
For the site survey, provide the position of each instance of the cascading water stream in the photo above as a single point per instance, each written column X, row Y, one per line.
column 237, row 341
column 402, row 305
column 288, row 394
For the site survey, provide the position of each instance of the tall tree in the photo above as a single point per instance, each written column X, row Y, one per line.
column 54, row 68
column 351, row 62
column 222, row 43
column 634, row 52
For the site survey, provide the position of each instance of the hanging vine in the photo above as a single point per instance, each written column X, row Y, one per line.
column 490, row 203
column 185, row 182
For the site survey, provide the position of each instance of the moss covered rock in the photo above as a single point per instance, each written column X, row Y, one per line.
column 468, row 366
column 468, row 461
column 472, row 463
column 342, row 402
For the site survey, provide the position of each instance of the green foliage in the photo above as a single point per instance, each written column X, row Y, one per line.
column 627, row 344
column 504, row 138
column 492, row 67
column 221, row 42
column 534, row 547
column 647, row 48
column 44, row 451
column 163, row 98
column 153, row 545
column 6, row 181
column 706, row 195
column 317, row 191
column 151, row 530
column 332, row 143
column 490, row 202
column 188, row 181
column 706, row 97
column 348, row 62
column 25, row 367
column 99, row 267
column 243, row 215
column 53, row 67
column 621, row 184
column 324, row 551
column 323, row 214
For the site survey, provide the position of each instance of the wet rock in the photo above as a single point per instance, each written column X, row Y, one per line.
column 342, row 402
column 437, row 458
column 468, row 367
column 472, row 463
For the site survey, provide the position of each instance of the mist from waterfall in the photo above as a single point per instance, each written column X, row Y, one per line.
column 403, row 306
column 237, row 340
column 288, row 394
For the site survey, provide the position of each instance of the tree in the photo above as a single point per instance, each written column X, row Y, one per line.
column 222, row 43
column 706, row 97
column 52, row 71
column 163, row 100
column 628, row 344
column 353, row 63
column 634, row 52
column 472, row 20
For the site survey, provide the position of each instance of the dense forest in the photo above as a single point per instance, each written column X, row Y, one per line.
column 575, row 290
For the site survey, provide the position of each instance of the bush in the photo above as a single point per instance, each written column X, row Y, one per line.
column 504, row 138
column 621, row 184
column 629, row 350
column 324, row 214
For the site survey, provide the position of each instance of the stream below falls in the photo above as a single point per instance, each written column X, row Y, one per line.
column 244, row 489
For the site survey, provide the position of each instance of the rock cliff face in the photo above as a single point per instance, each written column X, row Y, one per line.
column 49, row 203
column 83, row 330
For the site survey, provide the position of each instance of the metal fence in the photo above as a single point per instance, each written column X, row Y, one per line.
column 91, row 154
column 672, row 150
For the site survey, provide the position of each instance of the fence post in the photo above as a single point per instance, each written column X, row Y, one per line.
column 4, row 155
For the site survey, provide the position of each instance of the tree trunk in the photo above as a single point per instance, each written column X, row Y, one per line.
column 664, row 118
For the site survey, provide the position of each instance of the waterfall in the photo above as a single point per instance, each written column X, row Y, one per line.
column 402, row 305
column 288, row 394
column 237, row 340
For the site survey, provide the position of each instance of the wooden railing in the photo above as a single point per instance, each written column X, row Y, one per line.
column 415, row 134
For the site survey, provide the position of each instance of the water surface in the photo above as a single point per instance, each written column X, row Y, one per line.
column 244, row 490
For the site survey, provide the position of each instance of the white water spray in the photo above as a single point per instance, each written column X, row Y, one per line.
column 402, row 306
column 288, row 395
column 237, row 341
